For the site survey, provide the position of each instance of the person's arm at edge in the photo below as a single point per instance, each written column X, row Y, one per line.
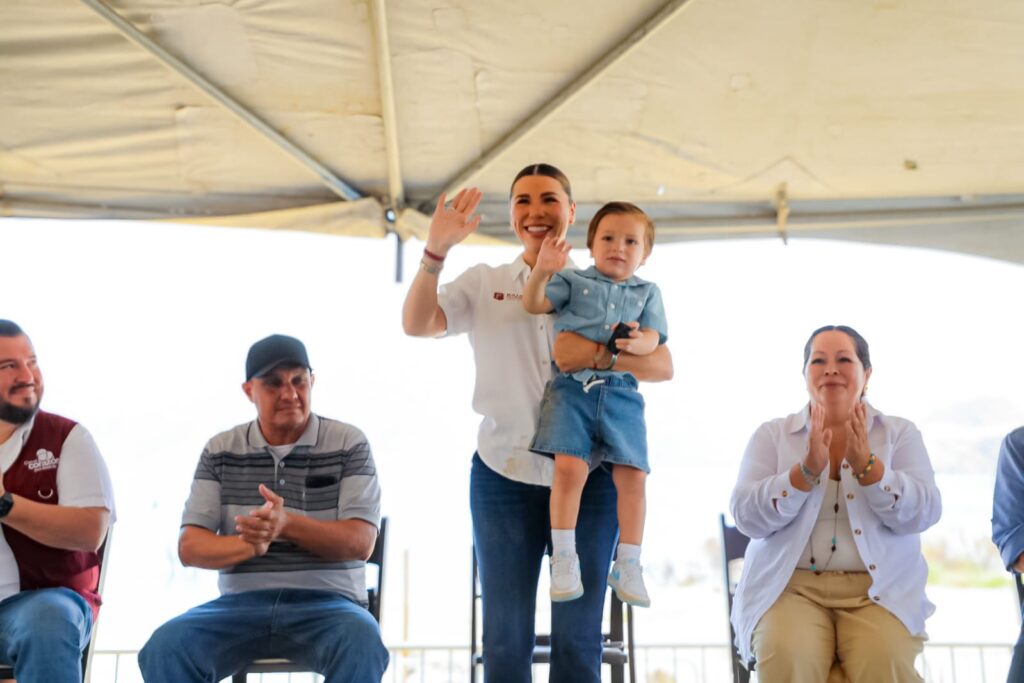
column 59, row 526
column 1007, row 518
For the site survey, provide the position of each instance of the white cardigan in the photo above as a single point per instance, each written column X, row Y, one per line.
column 887, row 518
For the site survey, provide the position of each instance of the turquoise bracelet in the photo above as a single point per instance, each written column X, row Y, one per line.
column 871, row 462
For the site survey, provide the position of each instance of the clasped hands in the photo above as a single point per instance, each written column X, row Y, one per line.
column 857, row 448
column 264, row 524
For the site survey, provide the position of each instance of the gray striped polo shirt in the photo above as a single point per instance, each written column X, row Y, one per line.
column 329, row 475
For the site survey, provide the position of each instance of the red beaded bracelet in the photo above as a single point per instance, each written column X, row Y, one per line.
column 432, row 255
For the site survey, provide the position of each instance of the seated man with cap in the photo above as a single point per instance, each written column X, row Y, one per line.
column 286, row 508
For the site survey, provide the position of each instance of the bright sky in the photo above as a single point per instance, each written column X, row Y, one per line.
column 142, row 330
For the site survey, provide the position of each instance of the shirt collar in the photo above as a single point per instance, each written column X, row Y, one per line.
column 798, row 421
column 308, row 437
column 594, row 273
column 20, row 435
column 521, row 269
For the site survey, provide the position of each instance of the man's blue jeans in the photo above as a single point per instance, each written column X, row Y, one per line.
column 43, row 633
column 320, row 630
column 511, row 530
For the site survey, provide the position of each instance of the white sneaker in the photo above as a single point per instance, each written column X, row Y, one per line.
column 627, row 579
column 566, row 584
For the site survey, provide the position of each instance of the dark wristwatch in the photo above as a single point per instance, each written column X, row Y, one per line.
column 6, row 503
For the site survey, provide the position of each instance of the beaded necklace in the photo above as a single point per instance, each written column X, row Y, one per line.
column 835, row 528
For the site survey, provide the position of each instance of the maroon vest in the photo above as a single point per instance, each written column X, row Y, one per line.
column 34, row 476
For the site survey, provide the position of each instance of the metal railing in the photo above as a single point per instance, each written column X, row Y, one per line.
column 664, row 663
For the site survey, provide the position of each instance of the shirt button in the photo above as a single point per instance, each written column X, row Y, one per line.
column 607, row 327
column 888, row 489
column 849, row 496
column 785, row 493
column 281, row 482
column 846, row 465
column 857, row 532
column 871, row 567
column 876, row 598
column 586, row 291
column 611, row 305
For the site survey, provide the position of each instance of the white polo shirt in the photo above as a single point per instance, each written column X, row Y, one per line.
column 512, row 352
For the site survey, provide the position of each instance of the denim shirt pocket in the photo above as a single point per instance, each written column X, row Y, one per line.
column 588, row 301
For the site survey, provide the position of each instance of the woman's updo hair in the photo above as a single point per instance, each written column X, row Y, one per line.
column 545, row 170
column 860, row 344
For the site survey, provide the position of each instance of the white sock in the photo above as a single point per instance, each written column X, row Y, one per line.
column 628, row 552
column 563, row 541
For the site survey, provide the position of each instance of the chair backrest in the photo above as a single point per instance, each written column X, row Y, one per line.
column 7, row 671
column 375, row 594
column 618, row 650
column 104, row 553
column 734, row 545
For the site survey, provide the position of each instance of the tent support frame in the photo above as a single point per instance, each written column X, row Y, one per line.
column 129, row 31
column 624, row 48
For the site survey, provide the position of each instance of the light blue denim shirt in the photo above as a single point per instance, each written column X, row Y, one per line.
column 1008, row 501
column 592, row 304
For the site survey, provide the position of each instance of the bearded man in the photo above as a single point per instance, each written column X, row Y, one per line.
column 56, row 504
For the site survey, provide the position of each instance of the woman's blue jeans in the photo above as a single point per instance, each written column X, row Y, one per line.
column 319, row 630
column 511, row 530
column 43, row 633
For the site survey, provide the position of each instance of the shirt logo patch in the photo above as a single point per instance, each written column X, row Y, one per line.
column 44, row 461
column 510, row 296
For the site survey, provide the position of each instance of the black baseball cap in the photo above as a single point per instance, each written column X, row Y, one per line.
column 275, row 350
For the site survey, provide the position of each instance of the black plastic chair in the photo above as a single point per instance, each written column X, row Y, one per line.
column 374, row 596
column 617, row 645
column 7, row 671
column 1020, row 591
column 734, row 545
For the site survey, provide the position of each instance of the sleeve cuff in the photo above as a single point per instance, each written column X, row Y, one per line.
column 883, row 494
column 788, row 498
column 1012, row 548
column 208, row 523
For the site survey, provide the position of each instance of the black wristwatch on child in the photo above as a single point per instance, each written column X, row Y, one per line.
column 621, row 331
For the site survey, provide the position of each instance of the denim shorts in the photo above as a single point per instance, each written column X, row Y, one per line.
column 575, row 419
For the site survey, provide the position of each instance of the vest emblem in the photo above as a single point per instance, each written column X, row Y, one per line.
column 44, row 461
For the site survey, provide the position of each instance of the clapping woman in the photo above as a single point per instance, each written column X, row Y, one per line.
column 834, row 498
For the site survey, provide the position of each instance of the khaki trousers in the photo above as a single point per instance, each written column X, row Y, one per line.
column 827, row 619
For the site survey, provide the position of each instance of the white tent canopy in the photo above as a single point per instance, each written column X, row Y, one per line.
column 893, row 122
